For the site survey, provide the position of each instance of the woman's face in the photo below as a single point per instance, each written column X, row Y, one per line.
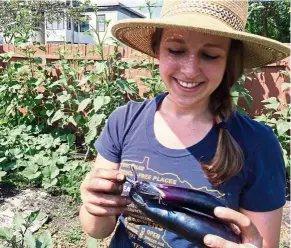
column 192, row 64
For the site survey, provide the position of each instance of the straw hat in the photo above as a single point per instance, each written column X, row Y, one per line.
column 224, row 17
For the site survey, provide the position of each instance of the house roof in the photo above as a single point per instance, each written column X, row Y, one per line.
column 108, row 4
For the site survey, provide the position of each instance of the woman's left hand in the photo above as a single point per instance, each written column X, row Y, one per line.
column 251, row 237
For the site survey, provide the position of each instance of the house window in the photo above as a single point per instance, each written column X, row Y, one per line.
column 69, row 26
column 101, row 23
column 84, row 26
column 57, row 23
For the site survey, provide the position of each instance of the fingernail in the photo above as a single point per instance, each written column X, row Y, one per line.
column 208, row 240
column 120, row 177
column 219, row 210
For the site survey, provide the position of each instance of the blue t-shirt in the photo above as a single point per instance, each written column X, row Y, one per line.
column 129, row 139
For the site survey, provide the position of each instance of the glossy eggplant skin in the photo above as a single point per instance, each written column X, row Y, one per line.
column 181, row 197
column 189, row 225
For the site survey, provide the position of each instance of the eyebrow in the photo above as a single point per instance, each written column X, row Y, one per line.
column 175, row 40
column 181, row 41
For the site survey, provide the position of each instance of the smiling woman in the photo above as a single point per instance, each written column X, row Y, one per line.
column 191, row 136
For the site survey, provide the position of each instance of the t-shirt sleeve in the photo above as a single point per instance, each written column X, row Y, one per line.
column 108, row 144
column 266, row 173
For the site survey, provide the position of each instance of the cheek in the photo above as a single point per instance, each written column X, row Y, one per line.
column 214, row 72
column 167, row 65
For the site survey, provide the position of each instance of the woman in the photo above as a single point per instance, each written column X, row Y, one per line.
column 191, row 136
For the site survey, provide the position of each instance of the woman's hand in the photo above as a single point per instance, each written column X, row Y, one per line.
column 251, row 237
column 101, row 193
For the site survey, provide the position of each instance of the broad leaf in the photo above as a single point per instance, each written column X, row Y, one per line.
column 282, row 126
column 285, row 86
column 2, row 174
column 44, row 240
column 18, row 221
column 32, row 217
column 5, row 233
column 91, row 242
column 83, row 105
column 29, row 239
column 58, row 115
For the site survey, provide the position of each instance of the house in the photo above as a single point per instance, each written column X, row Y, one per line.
column 73, row 32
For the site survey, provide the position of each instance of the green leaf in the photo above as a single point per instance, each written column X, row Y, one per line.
column 43, row 48
column 90, row 136
column 91, row 242
column 71, row 138
column 270, row 100
column 274, row 106
column 72, row 120
column 51, row 171
column 84, row 104
column 37, row 60
column 5, row 234
column 285, row 86
column 98, row 103
column 282, row 126
column 2, row 174
column 54, row 171
column 29, row 240
column 64, row 98
column 63, row 149
column 18, row 221
column 39, row 96
column 30, row 172
column 95, row 120
column 44, row 240
column 58, row 115
column 32, row 217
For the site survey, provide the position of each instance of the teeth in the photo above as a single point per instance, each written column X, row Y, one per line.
column 188, row 85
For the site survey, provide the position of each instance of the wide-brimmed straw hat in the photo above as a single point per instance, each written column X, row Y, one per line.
column 224, row 17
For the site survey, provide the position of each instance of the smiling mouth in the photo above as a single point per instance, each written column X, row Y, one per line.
column 188, row 85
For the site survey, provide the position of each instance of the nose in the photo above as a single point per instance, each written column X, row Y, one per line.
column 191, row 67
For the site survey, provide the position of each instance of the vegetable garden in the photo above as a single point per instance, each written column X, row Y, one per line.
column 52, row 111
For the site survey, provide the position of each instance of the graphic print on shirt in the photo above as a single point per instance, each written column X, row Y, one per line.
column 141, row 230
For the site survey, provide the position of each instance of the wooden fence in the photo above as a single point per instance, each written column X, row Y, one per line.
column 266, row 84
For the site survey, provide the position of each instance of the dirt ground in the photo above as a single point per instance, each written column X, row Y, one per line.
column 63, row 222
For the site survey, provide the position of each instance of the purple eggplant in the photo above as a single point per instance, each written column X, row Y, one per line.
column 189, row 225
column 186, row 212
column 181, row 197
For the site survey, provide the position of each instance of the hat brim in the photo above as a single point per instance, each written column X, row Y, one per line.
column 258, row 50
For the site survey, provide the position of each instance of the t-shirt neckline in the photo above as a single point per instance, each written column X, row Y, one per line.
column 168, row 151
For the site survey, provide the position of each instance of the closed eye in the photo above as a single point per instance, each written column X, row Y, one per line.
column 209, row 57
column 176, row 52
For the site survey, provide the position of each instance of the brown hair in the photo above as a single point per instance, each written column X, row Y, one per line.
column 228, row 159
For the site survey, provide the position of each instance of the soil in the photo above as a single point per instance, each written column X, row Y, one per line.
column 63, row 221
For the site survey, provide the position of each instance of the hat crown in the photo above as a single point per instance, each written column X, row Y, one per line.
column 232, row 12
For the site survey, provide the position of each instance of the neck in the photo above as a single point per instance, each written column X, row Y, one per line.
column 174, row 109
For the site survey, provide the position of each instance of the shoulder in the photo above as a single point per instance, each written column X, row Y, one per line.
column 134, row 111
column 250, row 133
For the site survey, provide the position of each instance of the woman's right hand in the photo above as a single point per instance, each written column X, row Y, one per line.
column 101, row 193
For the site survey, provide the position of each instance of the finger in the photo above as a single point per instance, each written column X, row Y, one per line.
column 103, row 211
column 114, row 175
column 235, row 228
column 108, row 200
column 218, row 242
column 247, row 228
column 104, row 185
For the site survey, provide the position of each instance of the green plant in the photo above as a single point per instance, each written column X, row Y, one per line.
column 75, row 235
column 20, row 236
column 277, row 115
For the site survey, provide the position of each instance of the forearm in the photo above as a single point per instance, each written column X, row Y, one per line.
column 96, row 227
